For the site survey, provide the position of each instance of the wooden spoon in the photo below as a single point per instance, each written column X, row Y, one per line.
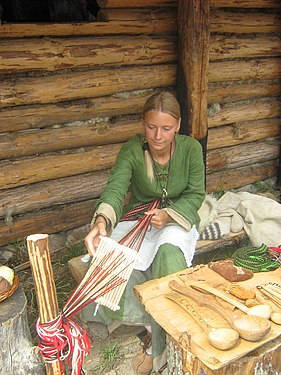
column 250, row 327
column 263, row 296
column 264, row 311
column 219, row 338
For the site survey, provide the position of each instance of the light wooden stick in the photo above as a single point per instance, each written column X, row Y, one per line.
column 39, row 255
column 123, row 270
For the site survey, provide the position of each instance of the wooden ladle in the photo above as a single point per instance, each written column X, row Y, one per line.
column 263, row 311
column 219, row 338
column 250, row 327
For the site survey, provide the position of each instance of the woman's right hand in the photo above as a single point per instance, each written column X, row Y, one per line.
column 93, row 237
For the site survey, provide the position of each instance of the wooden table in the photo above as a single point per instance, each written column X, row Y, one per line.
column 189, row 351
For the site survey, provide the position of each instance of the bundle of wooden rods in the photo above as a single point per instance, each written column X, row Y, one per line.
column 272, row 291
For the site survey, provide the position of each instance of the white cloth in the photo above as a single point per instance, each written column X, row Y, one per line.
column 154, row 238
column 259, row 216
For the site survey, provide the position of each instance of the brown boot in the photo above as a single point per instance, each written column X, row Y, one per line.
column 142, row 363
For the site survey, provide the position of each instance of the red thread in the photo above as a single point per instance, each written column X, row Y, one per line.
column 63, row 339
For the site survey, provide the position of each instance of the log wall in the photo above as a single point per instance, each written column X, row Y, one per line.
column 244, row 88
column 71, row 94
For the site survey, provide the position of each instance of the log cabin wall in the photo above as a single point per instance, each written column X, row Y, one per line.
column 244, row 107
column 70, row 94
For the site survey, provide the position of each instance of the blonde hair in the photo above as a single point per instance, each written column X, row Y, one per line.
column 163, row 102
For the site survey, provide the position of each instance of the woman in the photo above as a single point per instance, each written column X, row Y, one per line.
column 160, row 164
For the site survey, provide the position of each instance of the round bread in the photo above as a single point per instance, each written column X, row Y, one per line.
column 4, row 285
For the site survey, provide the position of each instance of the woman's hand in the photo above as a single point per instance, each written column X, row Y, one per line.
column 159, row 218
column 93, row 237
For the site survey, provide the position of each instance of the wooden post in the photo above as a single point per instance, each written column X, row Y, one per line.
column 193, row 60
column 39, row 255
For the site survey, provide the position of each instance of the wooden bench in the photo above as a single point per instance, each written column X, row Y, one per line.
column 78, row 268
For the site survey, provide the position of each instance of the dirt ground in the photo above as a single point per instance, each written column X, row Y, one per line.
column 121, row 346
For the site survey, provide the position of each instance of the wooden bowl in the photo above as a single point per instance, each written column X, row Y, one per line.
column 11, row 290
column 250, row 327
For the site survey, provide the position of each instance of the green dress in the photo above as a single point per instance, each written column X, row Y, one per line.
column 185, row 181
column 186, row 192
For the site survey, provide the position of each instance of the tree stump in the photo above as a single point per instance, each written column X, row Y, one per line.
column 17, row 354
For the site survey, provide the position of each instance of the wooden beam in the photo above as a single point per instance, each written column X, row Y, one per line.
column 238, row 177
column 136, row 14
column 193, row 47
column 229, row 91
column 26, row 171
column 136, row 3
column 239, row 70
column 234, row 46
column 36, row 142
column 238, row 156
column 41, row 116
column 244, row 22
column 267, row 4
column 52, row 54
column 134, row 27
column 54, row 220
column 243, row 132
column 82, row 85
column 238, row 112
column 42, row 195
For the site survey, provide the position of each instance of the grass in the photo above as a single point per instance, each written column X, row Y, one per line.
column 109, row 354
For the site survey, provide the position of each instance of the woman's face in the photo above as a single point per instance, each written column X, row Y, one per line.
column 159, row 130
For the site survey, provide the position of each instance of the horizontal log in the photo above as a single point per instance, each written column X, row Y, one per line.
column 48, row 194
column 238, row 177
column 232, row 91
column 135, row 14
column 36, row 142
column 25, row 171
column 78, row 85
column 243, row 132
column 267, row 4
column 241, row 155
column 244, row 22
column 40, row 116
column 237, row 70
column 50, row 221
column 232, row 47
column 136, row 3
column 61, row 53
column 137, row 27
column 244, row 111
column 170, row 3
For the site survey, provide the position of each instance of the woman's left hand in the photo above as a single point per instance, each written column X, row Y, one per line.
column 159, row 218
